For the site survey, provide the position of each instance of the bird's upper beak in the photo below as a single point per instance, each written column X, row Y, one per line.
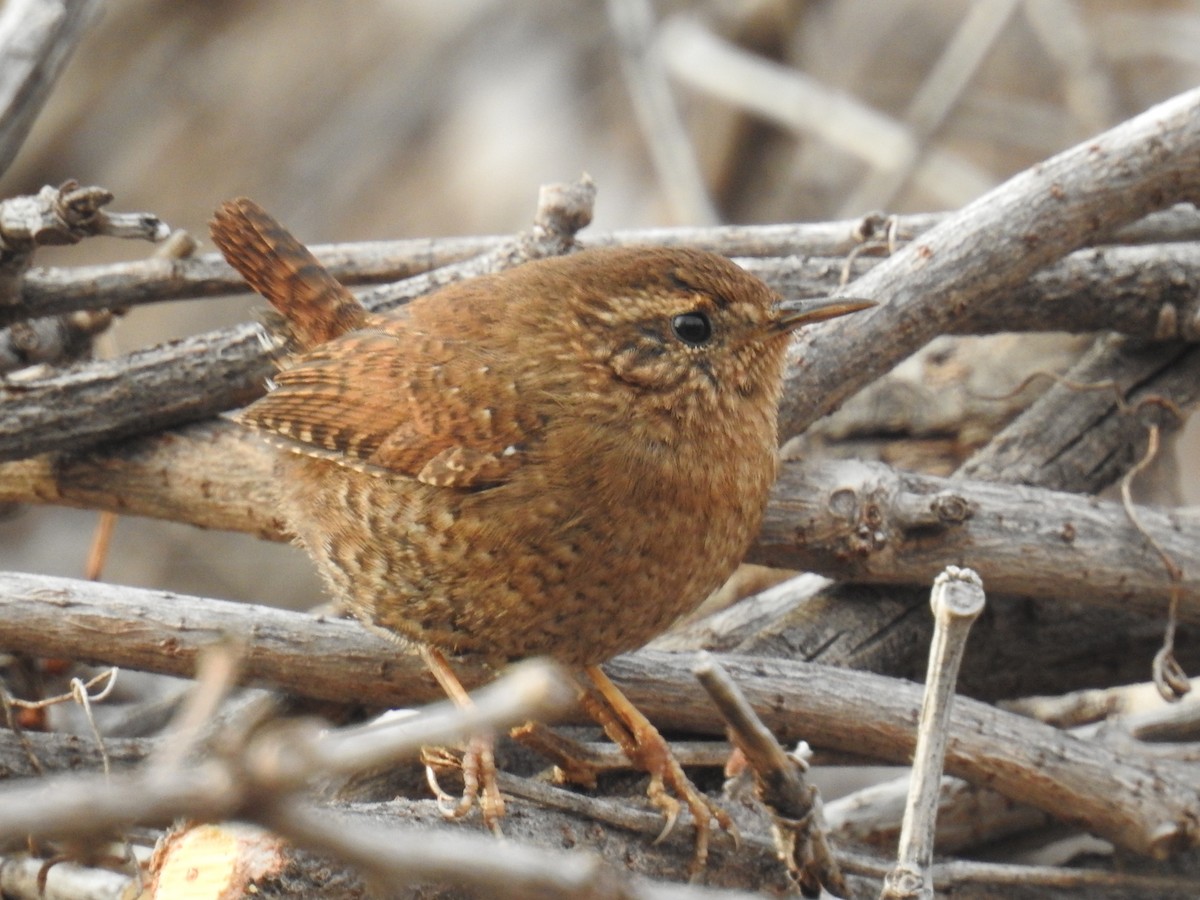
column 791, row 314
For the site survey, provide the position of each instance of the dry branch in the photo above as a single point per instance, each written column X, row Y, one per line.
column 1079, row 197
column 866, row 522
column 52, row 291
column 1136, row 800
column 37, row 37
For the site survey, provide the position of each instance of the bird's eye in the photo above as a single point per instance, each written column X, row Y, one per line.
column 693, row 328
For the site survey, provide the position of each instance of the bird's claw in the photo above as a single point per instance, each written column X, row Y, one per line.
column 478, row 769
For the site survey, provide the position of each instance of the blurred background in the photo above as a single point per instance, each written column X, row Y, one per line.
column 385, row 119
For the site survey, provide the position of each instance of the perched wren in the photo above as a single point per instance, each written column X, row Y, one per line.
column 559, row 459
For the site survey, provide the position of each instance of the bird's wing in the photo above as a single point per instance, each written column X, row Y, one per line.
column 396, row 400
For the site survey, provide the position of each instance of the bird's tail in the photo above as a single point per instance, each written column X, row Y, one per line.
column 315, row 306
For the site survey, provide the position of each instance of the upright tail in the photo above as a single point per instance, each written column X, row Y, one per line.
column 316, row 306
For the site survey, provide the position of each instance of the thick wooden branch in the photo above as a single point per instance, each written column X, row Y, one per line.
column 104, row 400
column 1138, row 801
column 867, row 522
column 213, row 474
column 1077, row 198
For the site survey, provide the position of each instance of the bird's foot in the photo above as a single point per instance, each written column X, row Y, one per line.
column 625, row 724
column 477, row 766
column 478, row 763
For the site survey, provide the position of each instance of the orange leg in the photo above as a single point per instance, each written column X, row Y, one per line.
column 648, row 749
column 478, row 762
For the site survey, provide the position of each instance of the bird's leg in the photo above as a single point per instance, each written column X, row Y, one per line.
column 648, row 749
column 478, row 762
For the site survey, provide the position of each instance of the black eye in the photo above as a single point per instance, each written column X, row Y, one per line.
column 693, row 328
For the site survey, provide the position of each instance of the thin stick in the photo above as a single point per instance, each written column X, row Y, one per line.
column 798, row 824
column 957, row 600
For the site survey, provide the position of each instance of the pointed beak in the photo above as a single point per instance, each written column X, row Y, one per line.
column 791, row 314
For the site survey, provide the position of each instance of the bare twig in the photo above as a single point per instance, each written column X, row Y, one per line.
column 797, row 101
column 675, row 163
column 37, row 37
column 957, row 600
column 54, row 291
column 932, row 102
column 798, row 823
column 562, row 210
column 276, row 760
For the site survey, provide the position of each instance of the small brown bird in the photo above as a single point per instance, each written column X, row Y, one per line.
column 559, row 459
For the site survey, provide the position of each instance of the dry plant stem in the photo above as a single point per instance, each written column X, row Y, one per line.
column 632, row 23
column 1134, row 799
column 212, row 474
column 532, row 858
column 959, row 877
column 933, row 101
column 968, row 816
column 37, row 38
column 797, row 820
column 867, row 522
column 54, row 291
column 275, row 761
column 52, row 340
column 957, row 600
column 562, row 210
column 580, row 762
column 65, row 215
column 532, row 689
column 64, row 753
column 26, row 878
column 106, row 523
column 60, row 215
column 803, row 104
column 217, row 670
column 1177, row 722
column 1078, row 197
column 1146, row 291
column 396, row 857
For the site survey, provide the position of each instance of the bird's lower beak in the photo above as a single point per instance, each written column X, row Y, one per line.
column 792, row 315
